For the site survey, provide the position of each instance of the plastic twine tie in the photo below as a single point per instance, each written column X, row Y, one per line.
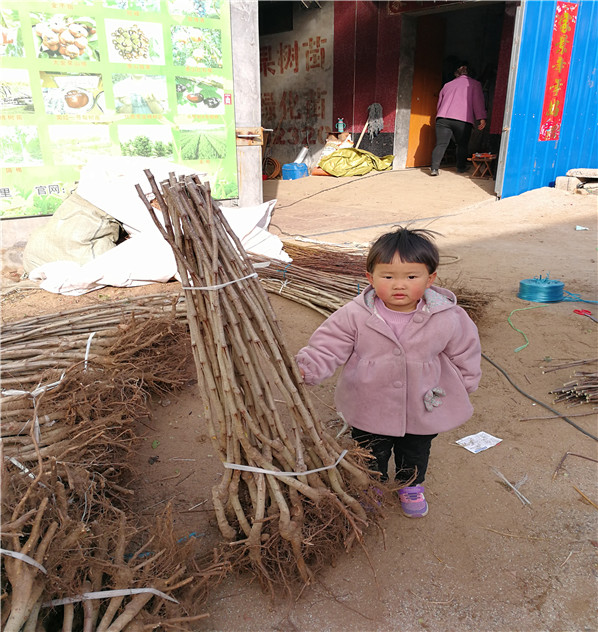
column 546, row 290
column 521, row 309
column 541, row 290
column 576, row 298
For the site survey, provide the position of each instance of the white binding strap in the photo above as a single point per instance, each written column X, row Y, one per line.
column 103, row 594
column 259, row 470
column 218, row 287
column 24, row 558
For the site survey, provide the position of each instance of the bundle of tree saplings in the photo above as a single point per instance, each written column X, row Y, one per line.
column 320, row 290
column 314, row 281
column 75, row 561
column 327, row 257
column 289, row 497
column 336, row 257
column 55, row 341
column 66, row 452
column 582, row 389
column 92, row 400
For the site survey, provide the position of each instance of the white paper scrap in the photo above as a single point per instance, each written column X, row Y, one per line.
column 478, row 442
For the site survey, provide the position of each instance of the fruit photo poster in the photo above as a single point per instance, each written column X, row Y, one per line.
column 150, row 78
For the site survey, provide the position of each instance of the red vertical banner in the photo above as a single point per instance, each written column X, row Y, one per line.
column 561, row 46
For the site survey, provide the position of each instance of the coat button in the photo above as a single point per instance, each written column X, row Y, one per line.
column 397, row 351
column 397, row 384
column 418, row 318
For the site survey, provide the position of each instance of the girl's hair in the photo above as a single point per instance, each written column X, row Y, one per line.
column 412, row 246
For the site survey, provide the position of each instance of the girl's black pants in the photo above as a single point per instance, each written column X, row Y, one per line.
column 411, row 454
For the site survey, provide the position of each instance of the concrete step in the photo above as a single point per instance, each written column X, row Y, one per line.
column 583, row 174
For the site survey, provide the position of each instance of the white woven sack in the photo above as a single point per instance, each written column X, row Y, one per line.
column 78, row 231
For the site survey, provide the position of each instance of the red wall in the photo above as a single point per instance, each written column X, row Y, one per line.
column 366, row 62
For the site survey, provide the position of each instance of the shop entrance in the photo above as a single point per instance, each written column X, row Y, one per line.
column 432, row 47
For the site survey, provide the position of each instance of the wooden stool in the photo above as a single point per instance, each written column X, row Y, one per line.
column 483, row 165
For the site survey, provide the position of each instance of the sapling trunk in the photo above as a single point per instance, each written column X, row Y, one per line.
column 243, row 369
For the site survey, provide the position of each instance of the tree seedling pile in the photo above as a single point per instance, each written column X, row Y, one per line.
column 277, row 522
column 326, row 277
column 65, row 454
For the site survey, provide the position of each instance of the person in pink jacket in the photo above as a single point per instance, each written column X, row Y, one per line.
column 460, row 106
column 410, row 358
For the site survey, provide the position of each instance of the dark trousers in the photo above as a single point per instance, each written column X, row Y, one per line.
column 446, row 129
column 411, row 454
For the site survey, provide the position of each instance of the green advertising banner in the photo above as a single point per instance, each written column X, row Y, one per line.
column 90, row 78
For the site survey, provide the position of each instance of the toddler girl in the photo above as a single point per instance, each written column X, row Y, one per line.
column 410, row 358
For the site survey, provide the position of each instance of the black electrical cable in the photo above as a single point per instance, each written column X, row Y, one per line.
column 343, row 184
column 552, row 410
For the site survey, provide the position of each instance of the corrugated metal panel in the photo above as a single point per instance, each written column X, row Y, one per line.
column 506, row 129
column 530, row 163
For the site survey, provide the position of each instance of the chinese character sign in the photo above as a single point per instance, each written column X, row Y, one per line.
column 301, row 108
column 558, row 70
column 288, row 57
column 296, row 82
column 84, row 78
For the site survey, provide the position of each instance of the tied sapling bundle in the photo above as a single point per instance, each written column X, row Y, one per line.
column 64, row 458
column 50, row 343
column 290, row 497
column 325, row 277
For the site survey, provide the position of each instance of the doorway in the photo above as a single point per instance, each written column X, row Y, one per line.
column 431, row 46
column 427, row 80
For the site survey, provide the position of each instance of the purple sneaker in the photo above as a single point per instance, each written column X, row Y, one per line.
column 413, row 501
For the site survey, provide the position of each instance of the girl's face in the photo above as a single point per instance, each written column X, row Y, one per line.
column 400, row 285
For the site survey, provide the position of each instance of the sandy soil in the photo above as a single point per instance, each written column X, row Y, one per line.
column 481, row 560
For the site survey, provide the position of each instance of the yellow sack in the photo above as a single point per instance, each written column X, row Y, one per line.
column 354, row 162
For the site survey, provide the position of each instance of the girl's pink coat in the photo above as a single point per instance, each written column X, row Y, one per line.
column 383, row 382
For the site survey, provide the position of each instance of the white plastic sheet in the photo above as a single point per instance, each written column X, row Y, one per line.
column 145, row 257
column 109, row 182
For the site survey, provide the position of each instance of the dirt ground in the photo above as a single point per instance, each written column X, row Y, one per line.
column 482, row 560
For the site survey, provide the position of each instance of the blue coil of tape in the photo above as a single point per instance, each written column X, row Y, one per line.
column 541, row 290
